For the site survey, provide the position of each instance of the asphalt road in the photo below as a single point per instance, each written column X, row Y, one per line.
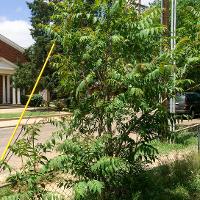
column 15, row 162
column 46, row 132
column 5, row 133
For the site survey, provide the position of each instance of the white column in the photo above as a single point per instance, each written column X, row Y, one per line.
column 8, row 89
column 18, row 96
column 14, row 95
column 4, row 88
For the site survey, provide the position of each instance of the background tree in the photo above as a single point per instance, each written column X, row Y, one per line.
column 187, row 51
column 26, row 74
column 188, row 17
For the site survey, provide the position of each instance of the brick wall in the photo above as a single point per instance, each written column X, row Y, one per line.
column 10, row 53
column 13, row 55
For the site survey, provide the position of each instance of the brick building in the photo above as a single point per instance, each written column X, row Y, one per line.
column 10, row 55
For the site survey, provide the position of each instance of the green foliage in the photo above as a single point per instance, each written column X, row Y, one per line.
column 184, row 141
column 109, row 62
column 36, row 100
column 104, row 39
column 188, row 46
column 28, row 150
column 111, row 65
column 176, row 180
column 29, row 182
column 187, row 49
column 59, row 104
column 25, row 75
column 5, row 166
column 24, row 196
column 180, row 193
column 5, row 191
column 90, row 189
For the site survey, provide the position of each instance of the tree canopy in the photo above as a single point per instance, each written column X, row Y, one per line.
column 26, row 74
column 188, row 18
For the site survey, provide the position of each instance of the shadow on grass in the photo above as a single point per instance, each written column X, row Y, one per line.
column 179, row 180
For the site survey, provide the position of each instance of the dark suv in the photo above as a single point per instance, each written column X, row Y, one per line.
column 188, row 103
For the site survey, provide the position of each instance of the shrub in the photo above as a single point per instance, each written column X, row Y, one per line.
column 117, row 96
column 180, row 193
column 24, row 99
column 36, row 100
column 110, row 65
column 59, row 104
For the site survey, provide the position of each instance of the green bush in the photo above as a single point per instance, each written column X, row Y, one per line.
column 117, row 95
column 180, row 193
column 24, row 99
column 36, row 100
column 59, row 104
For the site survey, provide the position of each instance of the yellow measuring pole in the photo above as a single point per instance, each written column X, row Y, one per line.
column 26, row 106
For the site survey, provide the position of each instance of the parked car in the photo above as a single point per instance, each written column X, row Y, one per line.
column 188, row 103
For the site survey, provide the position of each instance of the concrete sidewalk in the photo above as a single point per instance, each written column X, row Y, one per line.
column 6, row 109
column 28, row 120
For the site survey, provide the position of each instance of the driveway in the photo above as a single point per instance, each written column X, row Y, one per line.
column 190, row 122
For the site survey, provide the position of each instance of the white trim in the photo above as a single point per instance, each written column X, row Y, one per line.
column 4, row 88
column 11, row 43
column 7, row 67
column 8, row 88
column 12, row 65
column 14, row 95
column 9, row 71
column 18, row 96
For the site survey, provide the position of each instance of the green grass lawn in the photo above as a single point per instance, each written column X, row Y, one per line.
column 185, row 141
column 177, row 180
column 5, row 191
column 27, row 114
